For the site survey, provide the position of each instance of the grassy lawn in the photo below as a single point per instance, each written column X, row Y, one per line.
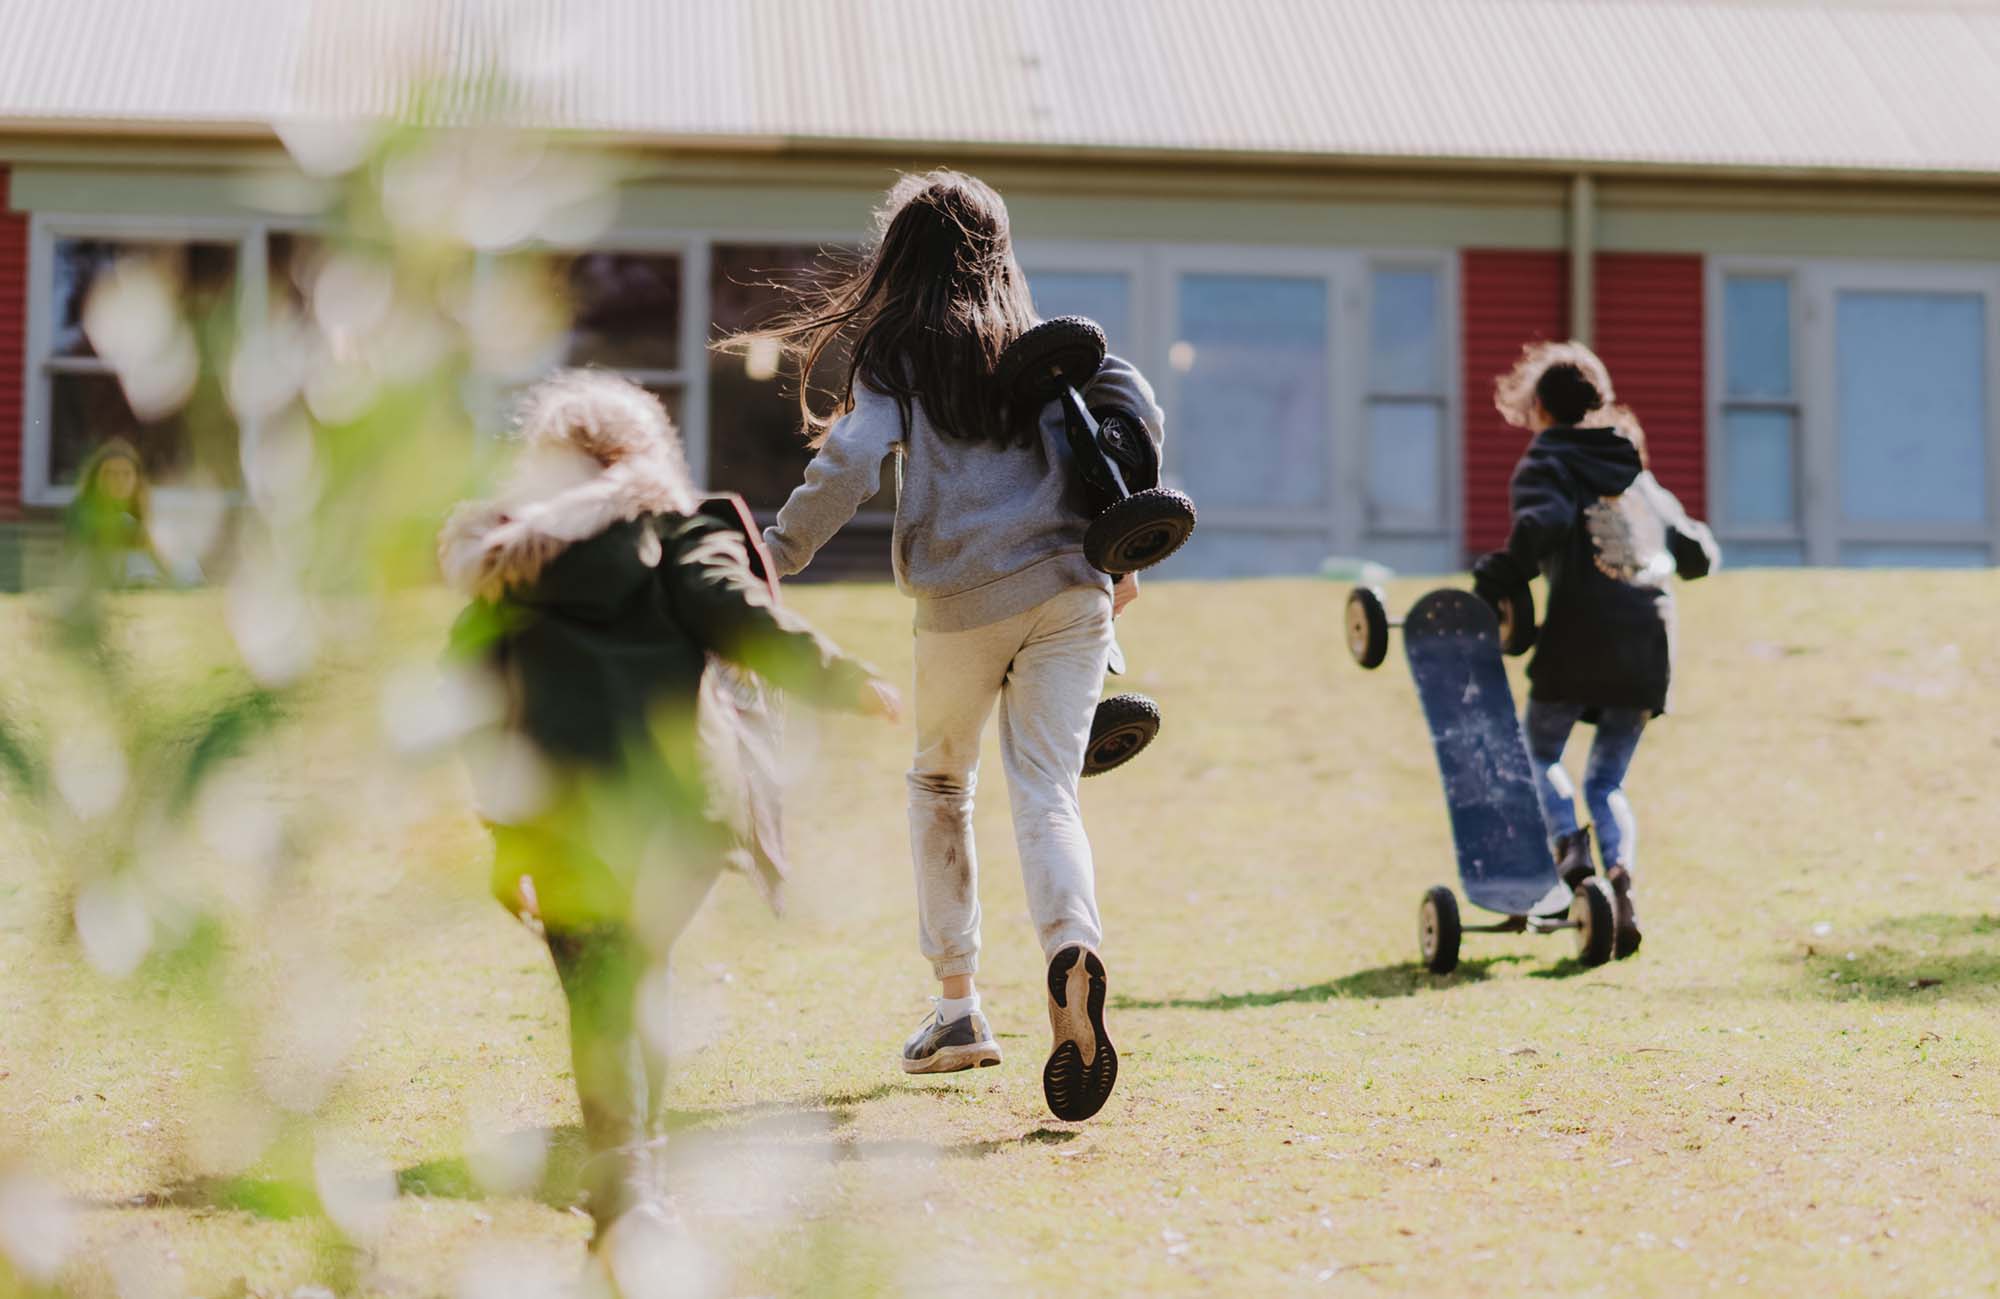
column 1794, row 1088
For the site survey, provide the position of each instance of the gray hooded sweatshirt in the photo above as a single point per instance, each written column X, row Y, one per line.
column 982, row 532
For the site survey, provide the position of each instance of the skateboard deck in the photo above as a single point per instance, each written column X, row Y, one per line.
column 1504, row 862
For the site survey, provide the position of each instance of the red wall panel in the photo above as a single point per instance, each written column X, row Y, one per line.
column 1650, row 327
column 1509, row 298
column 13, row 347
column 1649, row 332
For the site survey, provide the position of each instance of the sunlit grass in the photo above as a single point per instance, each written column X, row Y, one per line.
column 1792, row 1089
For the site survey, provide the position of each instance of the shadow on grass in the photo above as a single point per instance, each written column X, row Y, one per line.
column 1380, row 983
column 808, row 1127
column 1909, row 958
column 1567, row 968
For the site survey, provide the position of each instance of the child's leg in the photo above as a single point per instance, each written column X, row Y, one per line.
column 600, row 968
column 958, row 676
column 1548, row 726
column 1617, row 739
column 1045, row 713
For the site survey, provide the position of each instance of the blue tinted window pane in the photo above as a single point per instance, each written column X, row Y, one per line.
column 1251, row 418
column 1876, row 555
column 1757, row 331
column 1759, row 476
column 1763, row 554
column 1912, row 417
column 1106, row 298
column 1406, row 464
column 1403, row 335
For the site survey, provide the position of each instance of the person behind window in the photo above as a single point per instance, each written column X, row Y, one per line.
column 108, row 526
column 989, row 541
column 1590, row 516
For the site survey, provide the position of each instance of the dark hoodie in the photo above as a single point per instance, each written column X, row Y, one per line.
column 1609, row 538
column 615, row 632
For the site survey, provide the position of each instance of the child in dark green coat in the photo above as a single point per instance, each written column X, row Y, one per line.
column 626, row 632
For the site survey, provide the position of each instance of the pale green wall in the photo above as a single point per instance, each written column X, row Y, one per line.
column 830, row 199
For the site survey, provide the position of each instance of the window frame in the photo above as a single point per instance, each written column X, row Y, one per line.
column 1446, row 397
column 1822, row 533
column 690, row 378
column 1805, row 486
column 1345, row 521
column 45, row 230
column 1153, row 270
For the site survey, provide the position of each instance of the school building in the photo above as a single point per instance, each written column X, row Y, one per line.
column 1320, row 226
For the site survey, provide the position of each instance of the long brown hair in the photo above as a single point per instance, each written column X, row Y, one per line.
column 1585, row 385
column 922, row 313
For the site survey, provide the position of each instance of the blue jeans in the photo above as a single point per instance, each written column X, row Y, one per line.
column 1618, row 731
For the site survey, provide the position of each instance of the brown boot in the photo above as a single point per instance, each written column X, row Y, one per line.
column 1573, row 858
column 1624, row 914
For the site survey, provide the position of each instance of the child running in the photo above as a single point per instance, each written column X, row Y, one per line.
column 1589, row 515
column 608, row 608
column 988, row 539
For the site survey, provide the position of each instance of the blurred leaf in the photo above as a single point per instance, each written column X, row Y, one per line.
column 221, row 736
column 18, row 760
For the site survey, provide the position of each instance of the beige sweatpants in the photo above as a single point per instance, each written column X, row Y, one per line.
column 1045, row 668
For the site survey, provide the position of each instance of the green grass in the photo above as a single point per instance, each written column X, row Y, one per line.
column 1795, row 1088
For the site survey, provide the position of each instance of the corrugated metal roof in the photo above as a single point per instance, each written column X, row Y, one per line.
column 1864, row 85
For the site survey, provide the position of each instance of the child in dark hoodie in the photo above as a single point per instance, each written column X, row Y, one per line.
column 612, row 614
column 1590, row 516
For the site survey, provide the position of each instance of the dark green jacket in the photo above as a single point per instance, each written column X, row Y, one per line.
column 602, row 652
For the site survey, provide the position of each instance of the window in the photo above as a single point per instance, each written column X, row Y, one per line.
column 755, row 445
column 626, row 316
column 1406, row 450
column 1855, row 420
column 1759, row 498
column 1252, row 353
column 82, row 401
column 1911, row 392
column 1105, row 297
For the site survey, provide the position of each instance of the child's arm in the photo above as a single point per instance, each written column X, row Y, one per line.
column 846, row 472
column 1693, row 545
column 729, row 610
column 1544, row 503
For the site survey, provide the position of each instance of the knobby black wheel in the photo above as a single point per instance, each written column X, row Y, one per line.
column 1139, row 531
column 1057, row 353
column 1438, row 930
column 1122, row 727
column 1367, row 626
column 1596, row 925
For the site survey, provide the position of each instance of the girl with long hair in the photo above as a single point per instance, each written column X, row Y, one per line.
column 988, row 540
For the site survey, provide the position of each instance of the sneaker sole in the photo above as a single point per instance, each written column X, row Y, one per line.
column 956, row 1059
column 1082, row 1065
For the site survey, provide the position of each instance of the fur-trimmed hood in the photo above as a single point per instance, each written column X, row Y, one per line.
column 597, row 451
column 553, row 502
